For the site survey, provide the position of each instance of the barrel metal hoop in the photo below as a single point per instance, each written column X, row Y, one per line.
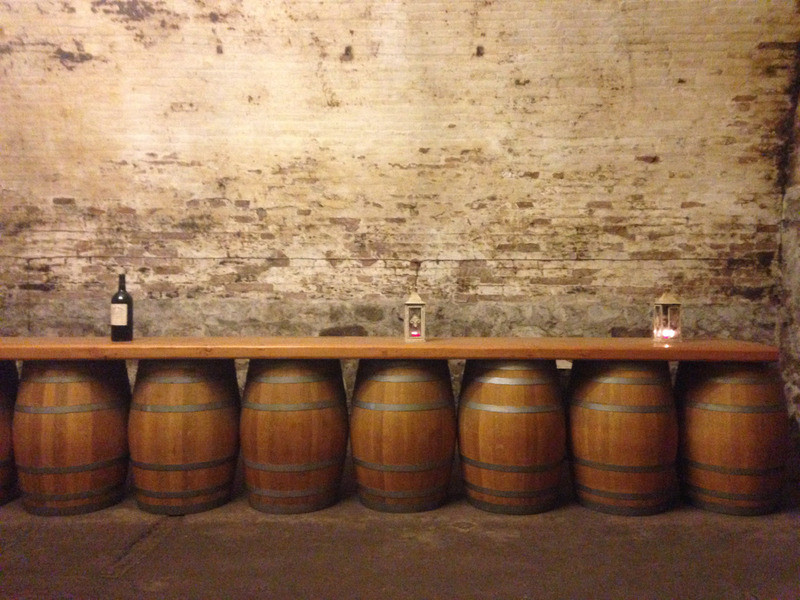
column 501, row 365
column 178, row 379
column 182, row 408
column 103, row 464
column 503, row 508
column 511, row 494
column 275, row 507
column 513, row 380
column 623, row 468
column 721, row 506
column 512, row 468
column 64, row 410
column 80, row 509
column 729, row 495
column 631, row 380
column 182, row 467
column 743, row 380
column 735, row 408
column 294, row 467
column 545, row 408
column 626, row 495
column 412, row 378
column 622, row 408
column 182, row 509
column 733, row 471
column 42, row 497
column 629, row 511
column 405, row 493
column 311, row 378
column 182, row 494
column 439, row 404
column 77, row 378
column 268, row 493
column 430, row 466
column 333, row 403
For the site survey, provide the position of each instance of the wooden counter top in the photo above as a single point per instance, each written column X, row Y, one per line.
column 97, row 348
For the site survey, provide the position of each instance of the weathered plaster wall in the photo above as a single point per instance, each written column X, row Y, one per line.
column 790, row 313
column 539, row 168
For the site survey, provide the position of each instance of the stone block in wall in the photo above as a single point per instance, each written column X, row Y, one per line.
column 791, row 205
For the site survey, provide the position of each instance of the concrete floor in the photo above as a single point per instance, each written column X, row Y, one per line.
column 349, row 551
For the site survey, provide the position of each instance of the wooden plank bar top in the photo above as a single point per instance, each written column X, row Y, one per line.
column 571, row 348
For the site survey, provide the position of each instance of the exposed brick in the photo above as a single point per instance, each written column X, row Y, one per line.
column 537, row 168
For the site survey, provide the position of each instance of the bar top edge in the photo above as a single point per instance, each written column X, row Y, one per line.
column 568, row 348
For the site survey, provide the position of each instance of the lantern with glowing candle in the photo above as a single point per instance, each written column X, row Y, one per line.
column 414, row 321
column 667, row 319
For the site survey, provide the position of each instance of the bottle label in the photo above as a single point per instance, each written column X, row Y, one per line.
column 119, row 315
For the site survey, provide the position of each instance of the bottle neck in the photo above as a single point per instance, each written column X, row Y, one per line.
column 122, row 282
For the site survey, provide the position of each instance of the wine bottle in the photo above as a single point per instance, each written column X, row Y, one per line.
column 121, row 314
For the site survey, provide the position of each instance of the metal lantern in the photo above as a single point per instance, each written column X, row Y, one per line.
column 667, row 319
column 414, row 320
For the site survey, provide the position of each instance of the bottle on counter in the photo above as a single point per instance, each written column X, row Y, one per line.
column 121, row 314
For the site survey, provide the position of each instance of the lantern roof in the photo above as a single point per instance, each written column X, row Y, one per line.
column 668, row 298
column 414, row 298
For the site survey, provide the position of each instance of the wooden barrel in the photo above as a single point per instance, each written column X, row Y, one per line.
column 293, row 434
column 70, row 442
column 734, row 436
column 8, row 394
column 183, row 430
column 624, row 437
column 403, row 434
column 512, row 435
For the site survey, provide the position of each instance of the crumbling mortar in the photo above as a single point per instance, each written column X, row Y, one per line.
column 789, row 289
column 787, row 129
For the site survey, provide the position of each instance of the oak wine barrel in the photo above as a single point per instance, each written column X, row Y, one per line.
column 623, row 437
column 403, row 431
column 512, row 435
column 293, row 434
column 70, row 441
column 183, row 430
column 734, row 436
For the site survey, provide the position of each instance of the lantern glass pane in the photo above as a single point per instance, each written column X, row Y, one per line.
column 415, row 322
column 674, row 320
column 658, row 324
column 666, row 322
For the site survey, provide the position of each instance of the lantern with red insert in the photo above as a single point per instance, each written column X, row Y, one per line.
column 414, row 319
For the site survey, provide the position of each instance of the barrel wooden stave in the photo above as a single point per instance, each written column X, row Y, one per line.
column 512, row 435
column 403, row 431
column 183, row 434
column 623, row 437
column 293, row 434
column 70, row 435
column 734, row 436
column 8, row 393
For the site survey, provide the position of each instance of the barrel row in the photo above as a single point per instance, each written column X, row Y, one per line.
column 618, row 426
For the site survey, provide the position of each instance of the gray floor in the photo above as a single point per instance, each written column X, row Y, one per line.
column 454, row 552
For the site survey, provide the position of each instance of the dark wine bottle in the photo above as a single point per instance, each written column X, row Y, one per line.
column 121, row 314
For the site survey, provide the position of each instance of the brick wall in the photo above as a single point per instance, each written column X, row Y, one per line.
column 538, row 168
column 789, row 325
